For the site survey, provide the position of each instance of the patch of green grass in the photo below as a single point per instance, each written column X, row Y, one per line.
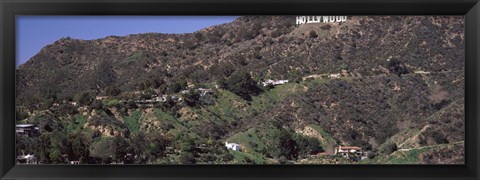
column 136, row 56
column 270, row 97
column 246, row 139
column 258, row 137
column 227, row 106
column 246, row 158
column 315, row 82
column 77, row 123
column 403, row 157
column 207, row 85
column 328, row 140
column 401, row 137
column 133, row 121
column 164, row 116
column 110, row 102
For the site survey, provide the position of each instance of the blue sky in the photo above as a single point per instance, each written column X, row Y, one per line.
column 35, row 32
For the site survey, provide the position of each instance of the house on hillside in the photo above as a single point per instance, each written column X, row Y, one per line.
column 204, row 91
column 177, row 98
column 27, row 159
column 27, row 130
column 233, row 146
column 129, row 158
column 101, row 97
column 162, row 98
column 337, row 75
column 270, row 82
column 348, row 151
column 421, row 72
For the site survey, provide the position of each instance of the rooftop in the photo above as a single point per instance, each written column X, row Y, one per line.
column 24, row 125
column 349, row 147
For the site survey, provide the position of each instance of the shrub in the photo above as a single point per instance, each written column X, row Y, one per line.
column 191, row 98
column 242, row 84
column 396, row 67
column 174, row 88
column 83, row 98
column 187, row 158
column 312, row 34
column 389, row 148
column 371, row 155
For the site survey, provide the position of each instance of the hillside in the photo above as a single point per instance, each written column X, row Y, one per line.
column 390, row 85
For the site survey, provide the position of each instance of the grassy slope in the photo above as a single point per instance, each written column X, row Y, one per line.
column 327, row 141
column 413, row 156
column 133, row 121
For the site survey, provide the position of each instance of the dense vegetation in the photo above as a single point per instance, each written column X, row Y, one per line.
column 391, row 85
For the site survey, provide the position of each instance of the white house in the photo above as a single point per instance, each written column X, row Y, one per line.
column 26, row 159
column 101, row 97
column 204, row 91
column 74, row 162
column 338, row 75
column 232, row 146
column 27, row 129
column 177, row 98
column 421, row 72
column 162, row 98
column 274, row 82
column 346, row 151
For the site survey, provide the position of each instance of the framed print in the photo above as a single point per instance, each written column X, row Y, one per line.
column 239, row 89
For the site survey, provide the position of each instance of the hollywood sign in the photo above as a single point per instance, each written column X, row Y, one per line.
column 320, row 19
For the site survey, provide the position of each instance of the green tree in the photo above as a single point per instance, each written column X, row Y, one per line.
column 159, row 145
column 139, row 144
column 131, row 105
column 78, row 146
column 104, row 148
column 52, row 147
column 187, row 158
column 97, row 104
column 396, row 67
column 174, row 88
column 242, row 84
column 113, row 91
column 312, row 34
column 83, row 98
column 307, row 145
column 122, row 148
column 283, row 144
column 66, row 109
column 103, row 76
column 147, row 94
column 191, row 98
column 389, row 148
column 187, row 145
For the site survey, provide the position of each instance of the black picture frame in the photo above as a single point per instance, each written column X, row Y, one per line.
column 11, row 8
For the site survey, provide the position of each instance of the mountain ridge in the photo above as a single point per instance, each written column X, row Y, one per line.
column 360, row 82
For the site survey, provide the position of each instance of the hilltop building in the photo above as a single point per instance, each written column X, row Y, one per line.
column 348, row 151
column 101, row 97
column 27, row 130
column 233, row 146
column 27, row 159
column 274, row 82
column 204, row 91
